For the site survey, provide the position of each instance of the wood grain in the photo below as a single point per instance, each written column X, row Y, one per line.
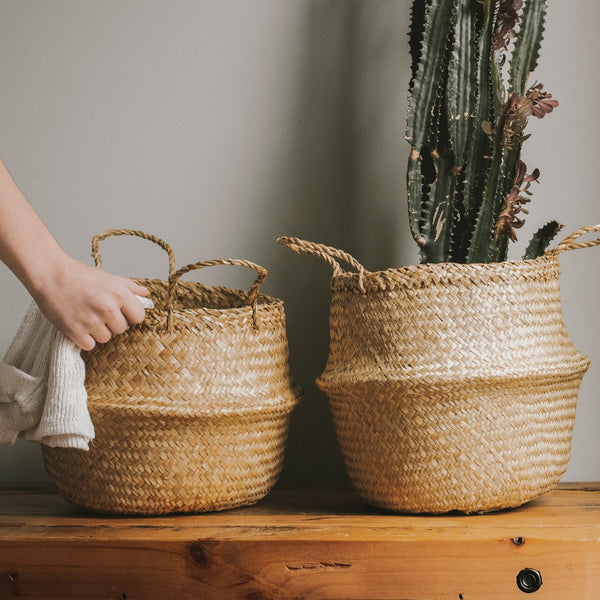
column 321, row 544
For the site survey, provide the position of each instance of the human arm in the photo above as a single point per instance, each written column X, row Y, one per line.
column 87, row 304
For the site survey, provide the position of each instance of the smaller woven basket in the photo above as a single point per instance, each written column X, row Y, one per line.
column 452, row 386
column 191, row 408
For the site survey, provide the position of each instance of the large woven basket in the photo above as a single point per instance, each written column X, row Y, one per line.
column 191, row 408
column 452, row 387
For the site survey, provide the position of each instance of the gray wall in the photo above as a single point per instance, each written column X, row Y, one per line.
column 219, row 125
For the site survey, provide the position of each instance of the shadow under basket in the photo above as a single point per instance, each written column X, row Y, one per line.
column 191, row 408
column 452, row 386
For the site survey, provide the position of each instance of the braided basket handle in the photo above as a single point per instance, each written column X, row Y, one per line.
column 251, row 299
column 569, row 242
column 327, row 253
column 146, row 236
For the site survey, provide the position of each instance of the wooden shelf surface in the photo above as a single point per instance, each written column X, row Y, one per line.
column 310, row 544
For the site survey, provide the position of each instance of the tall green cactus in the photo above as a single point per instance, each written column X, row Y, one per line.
column 468, row 108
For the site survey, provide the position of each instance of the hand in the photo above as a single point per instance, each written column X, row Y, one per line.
column 88, row 304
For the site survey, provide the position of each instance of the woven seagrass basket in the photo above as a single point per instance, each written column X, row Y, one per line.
column 191, row 407
column 452, row 387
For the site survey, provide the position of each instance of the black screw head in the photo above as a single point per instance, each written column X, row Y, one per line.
column 529, row 580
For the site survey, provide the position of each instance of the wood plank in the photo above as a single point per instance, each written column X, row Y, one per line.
column 299, row 544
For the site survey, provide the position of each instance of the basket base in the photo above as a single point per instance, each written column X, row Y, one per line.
column 189, row 466
column 456, row 449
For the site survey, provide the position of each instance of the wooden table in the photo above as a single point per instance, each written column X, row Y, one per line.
column 318, row 544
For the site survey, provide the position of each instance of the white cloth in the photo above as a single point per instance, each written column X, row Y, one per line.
column 42, row 386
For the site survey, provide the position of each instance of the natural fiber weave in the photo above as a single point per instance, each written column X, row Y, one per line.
column 191, row 408
column 452, row 387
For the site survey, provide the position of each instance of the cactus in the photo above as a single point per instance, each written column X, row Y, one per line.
column 468, row 109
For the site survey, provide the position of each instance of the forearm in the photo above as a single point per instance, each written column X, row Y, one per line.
column 26, row 245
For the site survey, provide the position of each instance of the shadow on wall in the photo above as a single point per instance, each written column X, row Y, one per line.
column 344, row 176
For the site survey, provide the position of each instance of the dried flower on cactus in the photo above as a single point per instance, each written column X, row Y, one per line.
column 506, row 19
column 513, row 120
column 516, row 110
column 508, row 220
column 537, row 102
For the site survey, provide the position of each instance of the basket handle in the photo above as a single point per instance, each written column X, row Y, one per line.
column 569, row 242
column 146, row 236
column 252, row 297
column 327, row 253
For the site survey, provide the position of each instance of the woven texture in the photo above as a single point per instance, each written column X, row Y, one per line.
column 452, row 387
column 191, row 407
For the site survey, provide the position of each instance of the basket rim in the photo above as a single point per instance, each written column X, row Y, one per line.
column 262, row 299
column 445, row 273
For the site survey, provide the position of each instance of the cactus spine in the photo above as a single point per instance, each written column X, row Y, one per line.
column 468, row 108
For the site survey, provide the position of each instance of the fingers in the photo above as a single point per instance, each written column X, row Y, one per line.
column 133, row 310
column 112, row 319
column 101, row 334
column 117, row 324
column 85, row 342
column 138, row 290
column 118, row 321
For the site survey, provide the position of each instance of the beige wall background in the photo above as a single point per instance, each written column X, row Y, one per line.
column 219, row 125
